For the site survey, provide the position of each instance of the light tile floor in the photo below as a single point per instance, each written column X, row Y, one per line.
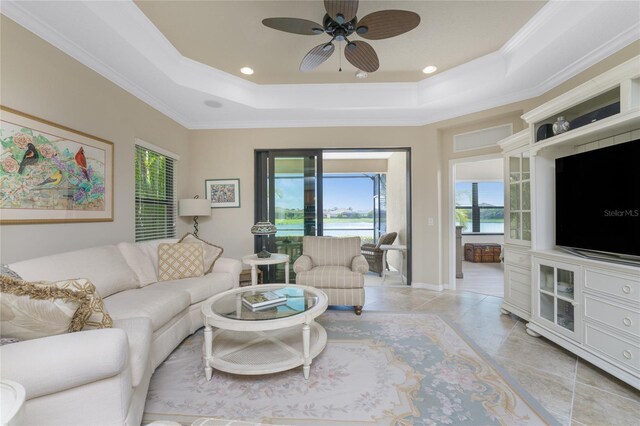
column 574, row 391
column 483, row 278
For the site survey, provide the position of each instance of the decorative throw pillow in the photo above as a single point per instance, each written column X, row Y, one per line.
column 32, row 310
column 5, row 270
column 180, row 260
column 211, row 251
column 95, row 314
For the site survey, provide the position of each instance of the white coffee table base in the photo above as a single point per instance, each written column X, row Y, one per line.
column 264, row 352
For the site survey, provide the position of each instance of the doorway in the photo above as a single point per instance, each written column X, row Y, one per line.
column 333, row 192
column 477, row 208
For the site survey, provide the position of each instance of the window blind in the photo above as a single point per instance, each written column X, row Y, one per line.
column 155, row 195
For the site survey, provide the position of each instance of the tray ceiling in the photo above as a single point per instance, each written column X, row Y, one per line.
column 117, row 40
column 228, row 35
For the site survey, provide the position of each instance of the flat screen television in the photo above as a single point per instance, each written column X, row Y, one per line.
column 598, row 201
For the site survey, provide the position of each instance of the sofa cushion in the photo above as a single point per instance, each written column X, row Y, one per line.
column 150, row 248
column 158, row 305
column 139, row 263
column 104, row 266
column 325, row 251
column 199, row 288
column 180, row 260
column 211, row 251
column 331, row 277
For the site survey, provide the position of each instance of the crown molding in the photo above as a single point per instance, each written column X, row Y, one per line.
column 116, row 40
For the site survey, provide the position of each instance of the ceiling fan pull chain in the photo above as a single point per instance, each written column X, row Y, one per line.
column 340, row 57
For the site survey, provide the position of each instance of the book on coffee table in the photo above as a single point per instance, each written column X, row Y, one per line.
column 263, row 299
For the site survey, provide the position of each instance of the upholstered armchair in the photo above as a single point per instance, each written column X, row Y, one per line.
column 336, row 266
column 374, row 254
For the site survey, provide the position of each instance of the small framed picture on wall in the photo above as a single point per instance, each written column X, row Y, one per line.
column 223, row 193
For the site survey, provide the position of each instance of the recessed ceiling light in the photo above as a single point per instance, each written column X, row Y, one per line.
column 361, row 74
column 246, row 70
column 430, row 69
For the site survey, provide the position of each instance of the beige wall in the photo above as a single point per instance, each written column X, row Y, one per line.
column 42, row 81
column 38, row 79
column 397, row 204
column 229, row 154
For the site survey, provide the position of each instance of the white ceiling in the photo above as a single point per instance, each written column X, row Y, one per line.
column 228, row 35
column 117, row 40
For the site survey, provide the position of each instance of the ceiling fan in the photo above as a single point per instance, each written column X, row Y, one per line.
column 340, row 22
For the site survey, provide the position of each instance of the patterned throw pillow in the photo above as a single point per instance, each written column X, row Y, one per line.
column 29, row 310
column 180, row 260
column 211, row 251
column 5, row 270
column 95, row 315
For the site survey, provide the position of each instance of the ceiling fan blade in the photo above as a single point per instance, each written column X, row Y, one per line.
column 362, row 56
column 294, row 25
column 316, row 56
column 346, row 8
column 387, row 23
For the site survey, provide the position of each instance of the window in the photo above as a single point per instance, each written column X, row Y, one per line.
column 480, row 207
column 155, row 195
column 352, row 205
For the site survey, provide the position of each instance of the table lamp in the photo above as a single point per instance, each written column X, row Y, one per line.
column 195, row 207
column 264, row 228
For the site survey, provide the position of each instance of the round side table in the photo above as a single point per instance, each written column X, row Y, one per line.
column 254, row 261
column 12, row 397
column 399, row 247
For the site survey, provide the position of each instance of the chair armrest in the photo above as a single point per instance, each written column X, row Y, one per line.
column 370, row 249
column 302, row 264
column 56, row 363
column 230, row 266
column 359, row 264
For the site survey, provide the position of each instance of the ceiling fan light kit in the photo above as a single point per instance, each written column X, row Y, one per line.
column 340, row 22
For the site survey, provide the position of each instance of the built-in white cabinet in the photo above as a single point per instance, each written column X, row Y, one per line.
column 517, row 221
column 589, row 307
column 517, row 281
column 557, row 294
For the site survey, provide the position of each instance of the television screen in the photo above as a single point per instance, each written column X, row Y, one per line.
column 598, row 200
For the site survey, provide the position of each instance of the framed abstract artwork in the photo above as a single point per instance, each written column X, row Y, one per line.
column 50, row 173
column 223, row 192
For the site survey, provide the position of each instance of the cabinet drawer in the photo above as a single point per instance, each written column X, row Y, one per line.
column 619, row 349
column 623, row 287
column 517, row 258
column 518, row 291
column 616, row 316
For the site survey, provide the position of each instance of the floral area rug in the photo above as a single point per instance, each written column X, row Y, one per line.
column 380, row 368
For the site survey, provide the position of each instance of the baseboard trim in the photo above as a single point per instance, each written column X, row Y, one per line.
column 427, row 286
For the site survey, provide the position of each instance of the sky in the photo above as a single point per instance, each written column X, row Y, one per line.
column 340, row 193
column 488, row 193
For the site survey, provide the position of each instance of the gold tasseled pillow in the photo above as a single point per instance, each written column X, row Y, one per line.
column 29, row 310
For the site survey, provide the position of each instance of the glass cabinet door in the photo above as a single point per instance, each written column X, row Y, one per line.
column 519, row 193
column 556, row 299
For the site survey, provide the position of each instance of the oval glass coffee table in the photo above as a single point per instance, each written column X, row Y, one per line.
column 268, row 340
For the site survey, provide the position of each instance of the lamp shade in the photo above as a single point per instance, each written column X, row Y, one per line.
column 264, row 228
column 194, row 207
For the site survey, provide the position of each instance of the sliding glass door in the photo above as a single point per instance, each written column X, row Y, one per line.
column 288, row 185
column 353, row 198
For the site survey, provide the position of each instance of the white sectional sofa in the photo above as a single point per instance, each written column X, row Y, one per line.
column 101, row 377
